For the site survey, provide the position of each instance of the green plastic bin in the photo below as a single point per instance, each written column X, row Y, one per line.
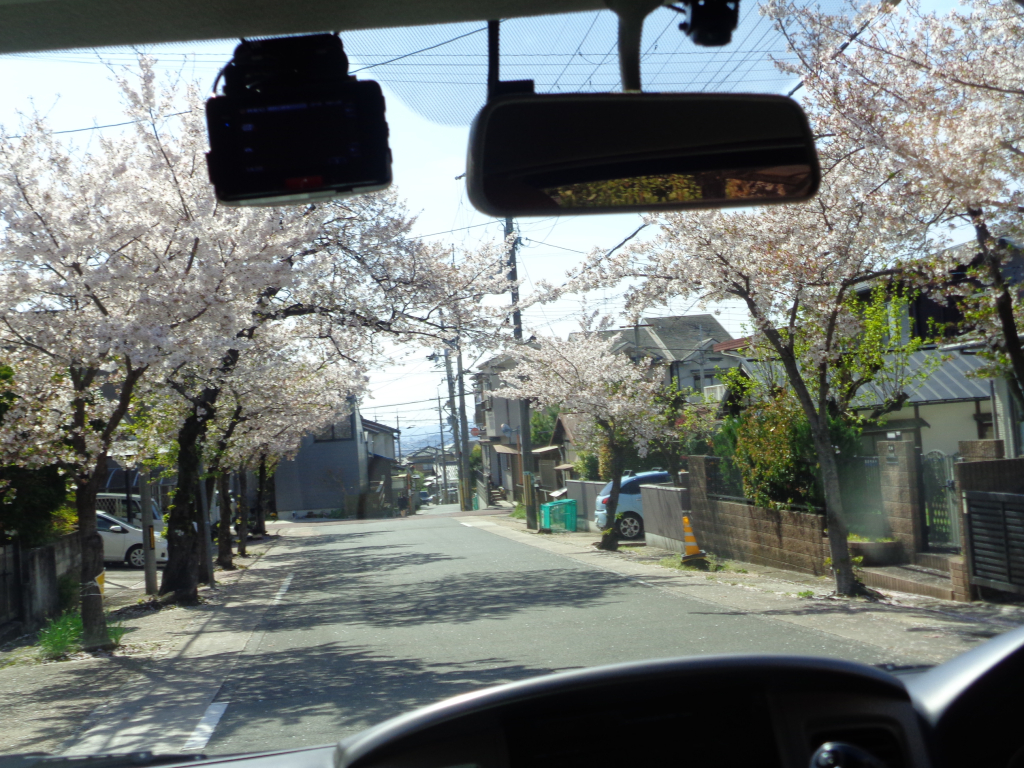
column 559, row 515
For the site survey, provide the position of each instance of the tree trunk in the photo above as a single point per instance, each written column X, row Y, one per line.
column 839, row 550
column 243, row 512
column 94, row 623
column 207, row 486
column 181, row 575
column 610, row 536
column 271, row 498
column 224, row 530
column 261, row 491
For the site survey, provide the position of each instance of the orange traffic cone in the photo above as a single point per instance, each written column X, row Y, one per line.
column 690, row 549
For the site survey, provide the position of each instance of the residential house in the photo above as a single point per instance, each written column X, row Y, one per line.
column 342, row 470
column 950, row 405
column 686, row 345
column 422, row 460
column 500, row 448
column 555, row 461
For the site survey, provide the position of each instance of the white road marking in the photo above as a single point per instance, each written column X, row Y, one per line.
column 284, row 588
column 204, row 730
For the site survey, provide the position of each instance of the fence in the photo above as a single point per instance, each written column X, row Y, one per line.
column 941, row 501
column 995, row 537
column 723, row 478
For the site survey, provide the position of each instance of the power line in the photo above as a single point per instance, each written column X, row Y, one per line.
column 421, row 50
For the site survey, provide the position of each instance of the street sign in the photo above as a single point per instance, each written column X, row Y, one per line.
column 475, row 431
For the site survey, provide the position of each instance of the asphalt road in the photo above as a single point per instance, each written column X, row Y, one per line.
column 383, row 616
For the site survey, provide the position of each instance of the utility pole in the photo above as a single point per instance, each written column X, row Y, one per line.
column 455, row 425
column 398, row 434
column 148, row 532
column 524, row 405
column 440, row 428
column 700, row 346
column 470, row 483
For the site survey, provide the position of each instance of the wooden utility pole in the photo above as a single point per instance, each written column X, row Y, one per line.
column 440, row 428
column 526, row 446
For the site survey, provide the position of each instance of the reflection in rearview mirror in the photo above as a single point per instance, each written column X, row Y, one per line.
column 608, row 153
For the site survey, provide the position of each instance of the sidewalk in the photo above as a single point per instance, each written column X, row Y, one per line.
column 63, row 706
column 913, row 629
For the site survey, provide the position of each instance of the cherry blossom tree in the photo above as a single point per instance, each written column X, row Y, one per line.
column 942, row 96
column 615, row 398
column 794, row 267
column 117, row 263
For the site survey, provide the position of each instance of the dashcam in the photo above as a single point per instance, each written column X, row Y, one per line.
column 293, row 126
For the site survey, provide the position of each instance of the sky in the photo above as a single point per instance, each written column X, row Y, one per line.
column 75, row 91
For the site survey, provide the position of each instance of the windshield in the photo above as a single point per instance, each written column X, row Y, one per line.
column 378, row 432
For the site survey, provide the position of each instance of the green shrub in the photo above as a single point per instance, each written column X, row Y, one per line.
column 60, row 636
column 519, row 513
column 805, row 593
column 586, row 466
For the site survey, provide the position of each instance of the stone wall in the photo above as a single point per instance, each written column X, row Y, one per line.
column 901, row 493
column 775, row 538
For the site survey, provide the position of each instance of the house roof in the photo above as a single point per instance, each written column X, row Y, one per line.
column 566, row 426
column 948, row 383
column 670, row 338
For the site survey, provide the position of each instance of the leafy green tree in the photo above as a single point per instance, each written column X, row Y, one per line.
column 542, row 424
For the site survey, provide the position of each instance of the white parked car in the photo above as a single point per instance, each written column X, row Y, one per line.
column 122, row 541
column 630, row 511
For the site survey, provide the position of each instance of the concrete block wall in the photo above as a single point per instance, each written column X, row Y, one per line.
column 664, row 507
column 775, row 538
column 68, row 555
column 585, row 494
column 901, row 500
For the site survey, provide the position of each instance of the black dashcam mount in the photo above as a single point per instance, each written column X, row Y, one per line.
column 709, row 22
column 292, row 126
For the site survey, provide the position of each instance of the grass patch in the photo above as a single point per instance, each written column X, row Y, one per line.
column 805, row 593
column 60, row 636
column 519, row 513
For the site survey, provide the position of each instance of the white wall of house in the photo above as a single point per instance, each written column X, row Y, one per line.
column 948, row 424
column 381, row 443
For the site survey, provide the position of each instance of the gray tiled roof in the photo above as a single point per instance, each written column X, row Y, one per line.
column 947, row 383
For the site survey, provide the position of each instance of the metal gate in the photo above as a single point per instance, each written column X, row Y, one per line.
column 941, row 501
column 995, row 536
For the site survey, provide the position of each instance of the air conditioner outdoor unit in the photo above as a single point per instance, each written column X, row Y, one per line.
column 715, row 392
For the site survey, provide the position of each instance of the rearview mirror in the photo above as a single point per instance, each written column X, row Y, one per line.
column 116, row 529
column 626, row 152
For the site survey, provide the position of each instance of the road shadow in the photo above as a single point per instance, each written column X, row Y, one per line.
column 350, row 687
